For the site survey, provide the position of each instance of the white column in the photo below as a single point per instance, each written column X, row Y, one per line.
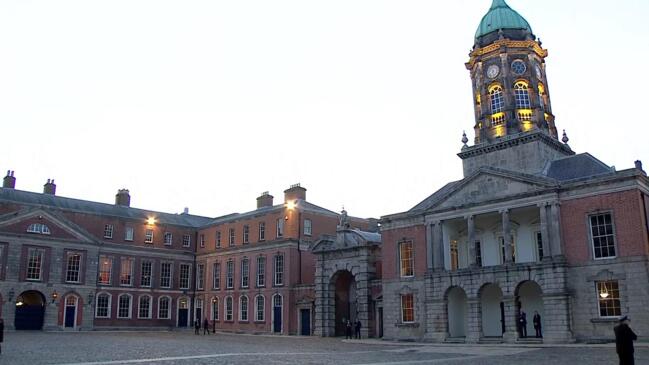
column 545, row 235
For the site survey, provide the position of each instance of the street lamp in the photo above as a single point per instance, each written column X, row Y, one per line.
column 54, row 296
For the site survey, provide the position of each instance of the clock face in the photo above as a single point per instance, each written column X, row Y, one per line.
column 518, row 67
column 539, row 74
column 493, row 71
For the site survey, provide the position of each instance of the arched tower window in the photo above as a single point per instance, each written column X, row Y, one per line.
column 522, row 95
column 497, row 100
column 543, row 97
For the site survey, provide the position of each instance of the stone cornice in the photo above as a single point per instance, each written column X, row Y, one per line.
column 505, row 43
column 514, row 140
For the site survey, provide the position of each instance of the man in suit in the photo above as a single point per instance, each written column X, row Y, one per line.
column 537, row 324
column 624, row 338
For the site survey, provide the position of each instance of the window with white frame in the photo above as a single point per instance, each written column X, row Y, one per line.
column 202, row 240
column 245, row 273
column 200, row 276
column 124, row 306
column 279, row 269
column 35, row 264
column 144, row 307
column 126, row 272
column 522, row 95
column 228, row 309
column 406, row 259
column 187, row 240
column 168, row 238
column 280, row 227
column 246, row 234
column 38, row 228
column 608, row 295
column 185, row 274
column 102, row 308
column 108, row 231
column 261, row 271
column 260, row 304
column 164, row 311
column 128, row 234
column 602, row 235
column 148, row 236
column 307, row 227
column 73, row 268
column 231, row 237
column 262, row 231
column 165, row 274
column 216, row 275
column 218, row 239
column 229, row 274
column 497, row 99
column 407, row 308
column 243, row 308
column 146, row 274
column 215, row 308
column 105, row 270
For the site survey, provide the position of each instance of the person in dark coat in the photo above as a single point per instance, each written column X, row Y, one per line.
column 197, row 326
column 624, row 338
column 537, row 324
column 523, row 324
column 357, row 329
column 2, row 333
column 348, row 330
column 206, row 326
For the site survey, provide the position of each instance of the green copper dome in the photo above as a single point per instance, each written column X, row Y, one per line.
column 501, row 16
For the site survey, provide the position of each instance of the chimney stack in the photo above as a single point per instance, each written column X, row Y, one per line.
column 294, row 192
column 186, row 211
column 264, row 200
column 123, row 198
column 9, row 181
column 49, row 187
column 638, row 165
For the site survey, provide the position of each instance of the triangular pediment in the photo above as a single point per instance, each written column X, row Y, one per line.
column 42, row 224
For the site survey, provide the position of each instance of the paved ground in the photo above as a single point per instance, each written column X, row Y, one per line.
column 186, row 348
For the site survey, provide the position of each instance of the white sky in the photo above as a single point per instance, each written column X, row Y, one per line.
column 206, row 104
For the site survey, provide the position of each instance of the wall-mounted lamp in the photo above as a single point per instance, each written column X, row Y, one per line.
column 214, row 300
column 150, row 221
column 19, row 301
column 54, row 296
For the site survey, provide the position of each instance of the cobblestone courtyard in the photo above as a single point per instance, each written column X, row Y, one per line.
column 187, row 348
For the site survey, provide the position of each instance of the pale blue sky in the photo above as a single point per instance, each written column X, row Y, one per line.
column 206, row 104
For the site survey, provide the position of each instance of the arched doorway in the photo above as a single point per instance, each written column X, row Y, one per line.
column 183, row 312
column 30, row 310
column 529, row 298
column 493, row 311
column 70, row 311
column 344, row 288
column 456, row 307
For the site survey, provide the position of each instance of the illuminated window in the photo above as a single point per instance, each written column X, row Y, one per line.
column 608, row 295
column 522, row 95
column 543, row 97
column 497, row 99
column 105, row 270
column 602, row 235
column 407, row 308
column 126, row 272
column 406, row 259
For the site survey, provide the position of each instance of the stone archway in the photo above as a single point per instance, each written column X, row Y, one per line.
column 457, row 309
column 529, row 299
column 30, row 311
column 343, row 286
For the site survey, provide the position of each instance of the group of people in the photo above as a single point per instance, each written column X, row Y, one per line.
column 356, row 327
column 522, row 324
column 206, row 326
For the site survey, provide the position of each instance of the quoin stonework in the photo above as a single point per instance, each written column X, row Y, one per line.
column 533, row 227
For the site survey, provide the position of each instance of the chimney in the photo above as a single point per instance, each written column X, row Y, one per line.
column 264, row 200
column 49, row 187
column 123, row 198
column 186, row 211
column 294, row 192
column 9, row 181
column 638, row 165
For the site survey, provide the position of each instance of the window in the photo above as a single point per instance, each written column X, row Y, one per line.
column 229, row 274
column 102, row 310
column 231, row 237
column 280, row 227
column 146, row 273
column 243, row 308
column 407, row 308
column 124, row 306
column 200, row 276
column 73, row 270
column 163, row 308
column 497, row 100
column 261, row 271
column 601, row 227
column 38, row 228
column 228, row 309
column 105, row 270
column 260, row 304
column 455, row 259
column 185, row 272
column 522, row 96
column 128, row 234
column 539, row 245
column 168, row 238
column 478, row 253
column 165, row 275
column 245, row 271
column 262, row 231
column 126, row 272
column 215, row 308
column 608, row 295
column 218, row 239
column 307, row 227
column 34, row 264
column 216, row 275
column 187, row 240
column 246, row 234
column 503, row 250
column 108, row 231
column 406, row 259
column 202, row 240
column 279, row 270
column 148, row 236
column 144, row 308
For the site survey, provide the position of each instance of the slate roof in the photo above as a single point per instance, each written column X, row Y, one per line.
column 84, row 206
column 583, row 165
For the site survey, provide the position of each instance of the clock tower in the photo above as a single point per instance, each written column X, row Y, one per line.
column 511, row 97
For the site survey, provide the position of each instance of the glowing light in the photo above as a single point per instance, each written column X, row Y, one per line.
column 604, row 292
column 150, row 221
column 19, row 303
column 290, row 205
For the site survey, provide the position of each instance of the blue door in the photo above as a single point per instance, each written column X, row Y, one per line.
column 70, row 313
column 182, row 317
column 277, row 319
column 305, row 315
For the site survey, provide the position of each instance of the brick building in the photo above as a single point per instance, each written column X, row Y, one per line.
column 531, row 228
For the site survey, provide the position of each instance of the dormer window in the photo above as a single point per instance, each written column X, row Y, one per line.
column 38, row 228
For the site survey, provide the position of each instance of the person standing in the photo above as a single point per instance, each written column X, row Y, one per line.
column 197, row 326
column 523, row 323
column 537, row 324
column 206, row 326
column 2, row 333
column 357, row 329
column 348, row 330
column 624, row 338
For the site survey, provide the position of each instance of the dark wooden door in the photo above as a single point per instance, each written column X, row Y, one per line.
column 306, row 322
column 277, row 319
column 182, row 317
column 70, row 313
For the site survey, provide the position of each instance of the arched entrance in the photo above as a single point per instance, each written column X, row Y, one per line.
column 344, row 288
column 529, row 298
column 493, row 311
column 183, row 311
column 456, row 307
column 70, row 311
column 30, row 310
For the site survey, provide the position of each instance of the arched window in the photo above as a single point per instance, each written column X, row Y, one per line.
column 497, row 99
column 38, row 228
column 543, row 97
column 228, row 309
column 124, row 306
column 243, row 308
column 102, row 308
column 522, row 95
column 164, row 310
column 260, row 304
column 144, row 307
